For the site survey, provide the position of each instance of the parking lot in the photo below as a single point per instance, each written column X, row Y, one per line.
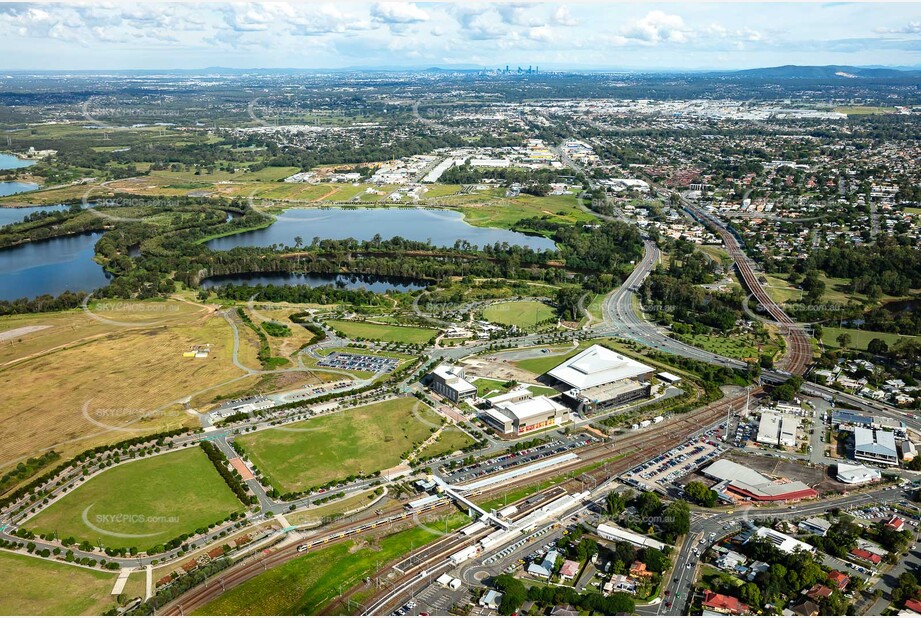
column 434, row 600
column 665, row 469
column 359, row 362
column 524, row 456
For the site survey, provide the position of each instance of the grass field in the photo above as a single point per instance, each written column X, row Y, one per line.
column 162, row 497
column 859, row 338
column 448, row 441
column 383, row 332
column 305, row 585
column 521, row 313
column 93, row 375
column 317, row 451
column 735, row 346
column 339, row 507
column 34, row 587
column 863, row 110
column 544, row 363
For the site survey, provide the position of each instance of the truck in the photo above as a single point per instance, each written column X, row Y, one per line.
column 658, row 419
column 645, row 423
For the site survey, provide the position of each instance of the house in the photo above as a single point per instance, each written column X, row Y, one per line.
column 569, row 569
column 815, row 525
column 564, row 610
column 867, row 556
column 638, row 569
column 491, row 600
column 723, row 604
column 896, row 523
column 839, row 579
column 619, row 583
column 217, row 552
column 806, row 608
column 819, row 592
column 914, row 605
column 545, row 567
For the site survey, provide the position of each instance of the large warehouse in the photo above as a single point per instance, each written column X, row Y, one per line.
column 515, row 416
column 747, row 483
column 875, row 445
column 777, row 429
column 599, row 378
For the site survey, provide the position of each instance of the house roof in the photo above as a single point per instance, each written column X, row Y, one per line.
column 866, row 555
column 914, row 605
column 723, row 602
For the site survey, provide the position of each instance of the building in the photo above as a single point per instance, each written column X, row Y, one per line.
column 545, row 567
column 599, row 378
column 815, row 525
column 638, row 569
column 777, row 429
column 866, row 555
column 613, row 533
column 819, row 592
column 451, row 382
column 875, row 445
column 857, row 474
column 747, row 483
column 569, row 569
column 515, row 418
column 781, row 541
column 723, row 604
column 839, row 579
column 909, row 451
column 895, row 523
column 619, row 583
column 491, row 600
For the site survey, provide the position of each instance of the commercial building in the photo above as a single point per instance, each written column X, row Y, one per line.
column 451, row 382
column 875, row 445
column 519, row 416
column 815, row 525
column 614, row 533
column 748, row 484
column 784, row 542
column 857, row 474
column 599, row 378
column 777, row 429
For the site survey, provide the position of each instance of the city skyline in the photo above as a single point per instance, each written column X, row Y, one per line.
column 554, row 36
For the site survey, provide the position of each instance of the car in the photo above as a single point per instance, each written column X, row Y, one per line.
column 668, row 604
column 668, row 593
column 688, row 565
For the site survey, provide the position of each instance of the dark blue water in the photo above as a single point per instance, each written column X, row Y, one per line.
column 16, row 215
column 9, row 162
column 50, row 267
column 441, row 227
column 371, row 283
column 11, row 188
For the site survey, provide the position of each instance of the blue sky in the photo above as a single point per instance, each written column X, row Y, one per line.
column 682, row 35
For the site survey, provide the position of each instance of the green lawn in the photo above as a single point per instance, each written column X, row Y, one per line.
column 305, row 585
column 486, row 387
column 522, row 313
column 142, row 504
column 735, row 346
column 383, row 332
column 449, row 440
column 544, row 363
column 316, row 451
column 859, row 338
column 34, row 587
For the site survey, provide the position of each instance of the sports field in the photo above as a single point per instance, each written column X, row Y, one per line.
column 101, row 382
column 142, row 504
column 521, row 313
column 383, row 332
column 359, row 440
column 34, row 587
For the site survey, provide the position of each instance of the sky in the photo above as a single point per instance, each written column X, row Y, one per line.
column 579, row 35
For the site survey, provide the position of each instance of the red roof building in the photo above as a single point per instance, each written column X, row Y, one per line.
column 914, row 605
column 839, row 579
column 569, row 569
column 896, row 523
column 819, row 591
column 863, row 554
column 723, row 603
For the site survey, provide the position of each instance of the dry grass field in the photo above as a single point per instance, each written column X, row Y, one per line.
column 82, row 382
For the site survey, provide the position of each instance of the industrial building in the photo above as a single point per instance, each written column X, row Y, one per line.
column 615, row 533
column 451, row 382
column 599, row 378
column 857, row 474
column 875, row 445
column 522, row 414
column 747, row 483
column 777, row 429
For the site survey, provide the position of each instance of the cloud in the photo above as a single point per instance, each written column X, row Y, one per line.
column 398, row 13
column 562, row 17
column 657, row 26
column 912, row 27
column 543, row 34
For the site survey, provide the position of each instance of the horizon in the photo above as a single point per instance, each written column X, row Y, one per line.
column 628, row 37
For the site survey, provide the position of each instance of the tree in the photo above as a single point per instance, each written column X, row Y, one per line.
column 877, row 346
column 513, row 594
column 750, row 594
column 701, row 494
column 676, row 520
column 656, row 561
column 844, row 340
column 616, row 502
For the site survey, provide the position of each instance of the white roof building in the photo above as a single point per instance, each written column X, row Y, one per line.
column 856, row 474
column 781, row 541
column 777, row 429
column 875, row 445
column 597, row 365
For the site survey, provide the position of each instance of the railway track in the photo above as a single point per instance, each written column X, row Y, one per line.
column 624, row 454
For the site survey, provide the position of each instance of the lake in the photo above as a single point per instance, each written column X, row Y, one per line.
column 441, row 227
column 13, row 187
column 16, row 215
column 10, row 162
column 372, row 283
column 50, row 267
